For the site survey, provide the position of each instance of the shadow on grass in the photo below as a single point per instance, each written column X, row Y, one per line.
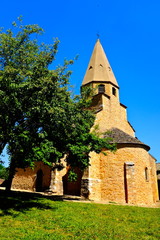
column 22, row 202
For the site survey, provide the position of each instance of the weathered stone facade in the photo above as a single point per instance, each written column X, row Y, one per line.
column 121, row 176
column 158, row 177
column 126, row 176
column 31, row 179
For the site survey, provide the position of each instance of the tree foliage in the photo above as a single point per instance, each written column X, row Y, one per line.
column 39, row 120
column 3, row 172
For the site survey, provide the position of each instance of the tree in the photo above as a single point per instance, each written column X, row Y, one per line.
column 3, row 172
column 39, row 120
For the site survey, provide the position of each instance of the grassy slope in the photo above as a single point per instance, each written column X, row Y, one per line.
column 29, row 216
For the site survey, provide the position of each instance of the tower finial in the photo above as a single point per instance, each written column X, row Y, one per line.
column 98, row 35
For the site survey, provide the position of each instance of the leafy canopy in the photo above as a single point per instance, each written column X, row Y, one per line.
column 39, row 118
column 3, row 172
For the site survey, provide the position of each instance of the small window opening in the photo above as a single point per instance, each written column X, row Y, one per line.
column 101, row 88
column 90, row 67
column 113, row 91
column 146, row 174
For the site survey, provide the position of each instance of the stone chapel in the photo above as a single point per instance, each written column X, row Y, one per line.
column 126, row 176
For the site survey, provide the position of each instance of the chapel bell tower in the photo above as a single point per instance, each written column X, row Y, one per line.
column 99, row 74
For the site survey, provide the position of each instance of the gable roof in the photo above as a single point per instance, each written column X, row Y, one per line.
column 99, row 69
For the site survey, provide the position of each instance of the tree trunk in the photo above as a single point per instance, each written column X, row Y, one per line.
column 12, row 171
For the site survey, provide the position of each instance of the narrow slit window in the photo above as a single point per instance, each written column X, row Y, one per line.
column 146, row 174
column 101, row 88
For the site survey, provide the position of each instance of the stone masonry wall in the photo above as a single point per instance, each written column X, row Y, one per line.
column 26, row 178
column 153, row 178
column 113, row 115
column 108, row 183
column 57, row 178
column 94, row 179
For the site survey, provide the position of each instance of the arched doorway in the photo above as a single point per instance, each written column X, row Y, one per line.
column 72, row 188
column 39, row 181
column 159, row 188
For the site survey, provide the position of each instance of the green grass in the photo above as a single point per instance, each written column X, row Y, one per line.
column 31, row 216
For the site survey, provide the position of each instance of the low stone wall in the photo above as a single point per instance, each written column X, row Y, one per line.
column 26, row 178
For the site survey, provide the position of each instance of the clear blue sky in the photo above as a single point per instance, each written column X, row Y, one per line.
column 130, row 35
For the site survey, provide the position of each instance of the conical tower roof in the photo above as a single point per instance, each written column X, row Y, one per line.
column 99, row 69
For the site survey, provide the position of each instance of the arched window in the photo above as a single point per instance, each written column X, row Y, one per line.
column 101, row 88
